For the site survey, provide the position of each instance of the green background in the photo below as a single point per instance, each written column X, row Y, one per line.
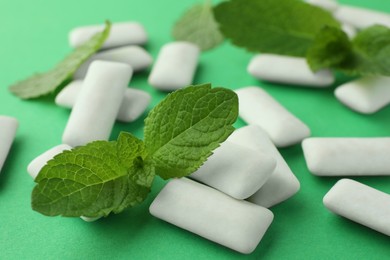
column 34, row 37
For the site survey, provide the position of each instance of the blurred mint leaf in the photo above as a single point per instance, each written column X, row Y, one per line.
column 286, row 27
column 331, row 48
column 367, row 54
column 182, row 131
column 45, row 83
column 197, row 25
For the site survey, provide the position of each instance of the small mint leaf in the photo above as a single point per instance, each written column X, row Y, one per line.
column 367, row 54
column 93, row 180
column 197, row 25
column 139, row 182
column 286, row 27
column 331, row 49
column 371, row 52
column 184, row 129
column 45, row 83
column 133, row 155
column 129, row 148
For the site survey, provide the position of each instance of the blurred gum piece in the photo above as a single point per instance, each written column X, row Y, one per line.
column 175, row 66
column 134, row 56
column 257, row 107
column 236, row 170
column 123, row 33
column 329, row 5
column 288, row 70
column 349, row 30
column 133, row 105
column 361, row 18
column 282, row 184
column 8, row 127
column 366, row 95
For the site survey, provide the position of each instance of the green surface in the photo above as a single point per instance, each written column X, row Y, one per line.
column 34, row 37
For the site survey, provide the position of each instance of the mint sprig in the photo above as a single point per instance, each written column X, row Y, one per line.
column 295, row 28
column 45, row 83
column 367, row 54
column 103, row 177
column 197, row 25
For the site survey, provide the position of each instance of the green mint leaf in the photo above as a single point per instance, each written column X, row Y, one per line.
column 46, row 83
column 91, row 181
column 183, row 130
column 133, row 155
column 197, row 25
column 371, row 52
column 286, row 27
column 129, row 148
column 367, row 54
column 139, row 182
column 331, row 49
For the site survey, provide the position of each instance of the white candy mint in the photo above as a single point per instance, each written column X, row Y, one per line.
column 236, row 170
column 360, row 203
column 349, row 30
column 134, row 56
column 209, row 213
column 366, row 95
column 97, row 106
column 288, row 70
column 347, row 156
column 329, row 5
column 282, row 184
column 123, row 33
column 360, row 17
column 8, row 127
column 257, row 107
column 133, row 105
column 175, row 66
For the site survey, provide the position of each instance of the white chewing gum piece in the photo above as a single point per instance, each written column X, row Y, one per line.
column 68, row 95
column 360, row 203
column 282, row 184
column 133, row 105
column 366, row 95
column 349, row 30
column 288, row 70
column 8, row 127
column 361, row 18
column 88, row 219
column 134, row 56
column 123, row 33
column 94, row 113
column 329, row 5
column 37, row 164
column 257, row 107
column 347, row 156
column 209, row 213
column 175, row 66
column 236, row 170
